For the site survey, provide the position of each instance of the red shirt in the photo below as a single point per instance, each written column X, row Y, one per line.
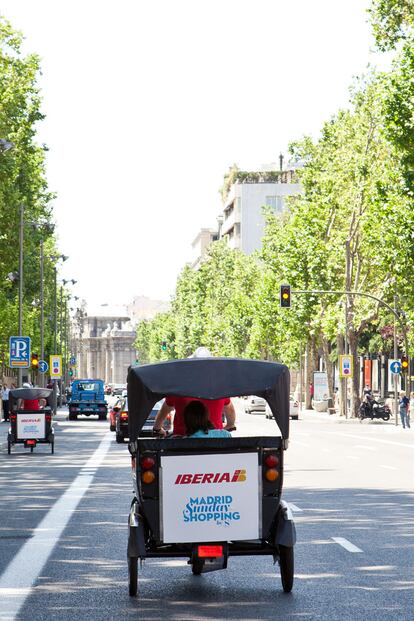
column 215, row 408
column 31, row 404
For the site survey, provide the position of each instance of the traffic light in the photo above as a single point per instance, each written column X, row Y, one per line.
column 404, row 363
column 70, row 372
column 285, row 296
column 164, row 345
column 35, row 361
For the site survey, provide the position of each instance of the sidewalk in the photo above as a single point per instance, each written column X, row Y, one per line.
column 313, row 414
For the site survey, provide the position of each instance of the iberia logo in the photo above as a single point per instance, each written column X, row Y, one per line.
column 238, row 476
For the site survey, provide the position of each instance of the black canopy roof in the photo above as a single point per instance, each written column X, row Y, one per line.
column 31, row 393
column 207, row 378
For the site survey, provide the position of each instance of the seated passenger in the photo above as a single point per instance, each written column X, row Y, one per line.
column 198, row 424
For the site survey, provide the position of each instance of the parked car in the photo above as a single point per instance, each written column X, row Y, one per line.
column 293, row 409
column 117, row 389
column 121, row 420
column 254, row 404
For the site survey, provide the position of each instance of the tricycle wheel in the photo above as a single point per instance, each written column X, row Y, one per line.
column 119, row 438
column 133, row 575
column 286, row 563
column 197, row 566
column 52, row 447
column 8, row 446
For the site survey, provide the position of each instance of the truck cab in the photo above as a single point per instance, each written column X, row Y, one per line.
column 88, row 398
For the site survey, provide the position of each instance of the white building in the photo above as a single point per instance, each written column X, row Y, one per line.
column 243, row 221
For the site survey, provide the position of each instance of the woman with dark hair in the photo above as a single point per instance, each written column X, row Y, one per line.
column 198, row 424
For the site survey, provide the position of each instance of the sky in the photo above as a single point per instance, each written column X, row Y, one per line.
column 148, row 104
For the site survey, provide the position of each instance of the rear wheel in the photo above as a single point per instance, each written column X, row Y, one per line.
column 8, row 445
column 119, row 438
column 52, row 447
column 286, row 562
column 133, row 575
column 386, row 417
column 197, row 566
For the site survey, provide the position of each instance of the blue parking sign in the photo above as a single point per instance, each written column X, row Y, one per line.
column 19, row 352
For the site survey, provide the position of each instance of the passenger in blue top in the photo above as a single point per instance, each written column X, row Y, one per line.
column 198, row 424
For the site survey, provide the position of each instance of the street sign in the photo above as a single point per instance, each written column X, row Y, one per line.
column 19, row 352
column 394, row 366
column 346, row 365
column 43, row 366
column 56, row 366
column 72, row 361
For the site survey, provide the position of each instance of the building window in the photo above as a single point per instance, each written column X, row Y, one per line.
column 274, row 202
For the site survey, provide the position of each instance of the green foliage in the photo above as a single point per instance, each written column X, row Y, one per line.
column 22, row 182
column 391, row 21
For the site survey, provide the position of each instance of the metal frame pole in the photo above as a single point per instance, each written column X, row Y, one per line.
column 42, row 341
column 21, row 241
column 395, row 376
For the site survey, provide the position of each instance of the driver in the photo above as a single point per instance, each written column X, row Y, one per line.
column 215, row 408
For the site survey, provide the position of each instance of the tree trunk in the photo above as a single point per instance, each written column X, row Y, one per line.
column 342, row 396
column 353, row 349
column 329, row 367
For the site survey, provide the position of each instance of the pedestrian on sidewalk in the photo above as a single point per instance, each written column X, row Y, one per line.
column 404, row 404
column 410, row 408
column 5, row 400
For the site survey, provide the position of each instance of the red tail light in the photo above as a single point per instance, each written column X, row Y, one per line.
column 270, row 470
column 48, row 418
column 124, row 415
column 31, row 442
column 210, row 551
column 147, row 463
column 13, row 418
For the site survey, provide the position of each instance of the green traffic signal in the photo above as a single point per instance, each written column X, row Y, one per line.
column 164, row 345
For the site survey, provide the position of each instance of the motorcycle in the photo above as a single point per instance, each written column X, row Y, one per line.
column 370, row 408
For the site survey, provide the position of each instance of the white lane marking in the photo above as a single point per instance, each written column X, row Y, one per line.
column 365, row 447
column 299, row 443
column 351, row 435
column 388, row 467
column 294, row 508
column 17, row 581
column 346, row 544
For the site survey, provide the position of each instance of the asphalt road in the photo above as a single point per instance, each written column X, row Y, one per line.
column 350, row 485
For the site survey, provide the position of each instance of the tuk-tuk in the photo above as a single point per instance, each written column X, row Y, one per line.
column 30, row 425
column 207, row 499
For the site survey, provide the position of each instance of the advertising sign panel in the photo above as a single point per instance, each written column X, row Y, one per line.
column 320, row 386
column 367, row 373
column 30, row 426
column 346, row 365
column 210, row 497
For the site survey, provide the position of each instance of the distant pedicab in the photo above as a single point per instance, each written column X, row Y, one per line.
column 207, row 499
column 31, row 421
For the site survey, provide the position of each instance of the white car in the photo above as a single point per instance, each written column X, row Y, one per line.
column 293, row 409
column 254, row 404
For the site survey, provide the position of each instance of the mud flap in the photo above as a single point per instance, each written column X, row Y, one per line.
column 285, row 530
column 136, row 536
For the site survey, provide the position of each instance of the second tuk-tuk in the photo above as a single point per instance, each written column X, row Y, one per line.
column 207, row 499
column 31, row 418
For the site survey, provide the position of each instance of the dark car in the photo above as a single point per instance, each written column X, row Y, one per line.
column 121, row 420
